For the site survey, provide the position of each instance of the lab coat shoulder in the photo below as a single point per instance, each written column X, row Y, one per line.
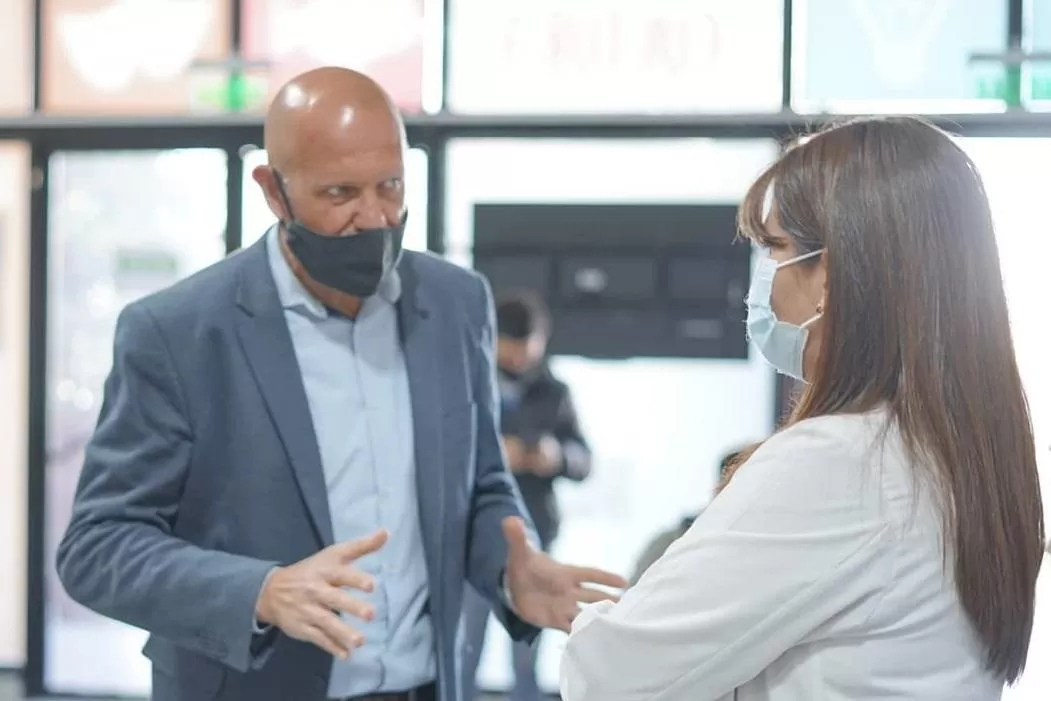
column 796, row 547
column 803, row 475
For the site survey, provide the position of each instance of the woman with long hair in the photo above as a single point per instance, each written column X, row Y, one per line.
column 885, row 542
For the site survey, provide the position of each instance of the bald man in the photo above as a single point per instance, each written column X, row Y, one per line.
column 297, row 465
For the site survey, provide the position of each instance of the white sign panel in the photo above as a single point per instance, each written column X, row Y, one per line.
column 615, row 56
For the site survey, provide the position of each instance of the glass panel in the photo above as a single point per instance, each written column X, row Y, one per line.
column 132, row 56
column 122, row 224
column 657, row 462
column 257, row 217
column 1039, row 72
column 857, row 56
column 16, row 56
column 393, row 41
column 1017, row 178
column 14, row 326
column 602, row 56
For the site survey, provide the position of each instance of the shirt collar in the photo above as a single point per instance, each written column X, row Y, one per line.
column 292, row 293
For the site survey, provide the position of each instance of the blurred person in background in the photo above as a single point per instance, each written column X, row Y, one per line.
column 543, row 443
column 297, row 464
column 884, row 543
column 656, row 548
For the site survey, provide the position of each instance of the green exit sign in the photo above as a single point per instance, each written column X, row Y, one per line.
column 1009, row 88
column 1041, row 86
column 236, row 93
column 138, row 262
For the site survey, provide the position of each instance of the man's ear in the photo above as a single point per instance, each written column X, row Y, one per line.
column 266, row 178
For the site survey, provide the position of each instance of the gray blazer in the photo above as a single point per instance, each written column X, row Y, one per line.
column 204, row 472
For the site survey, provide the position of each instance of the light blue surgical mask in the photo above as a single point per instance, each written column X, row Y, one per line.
column 781, row 343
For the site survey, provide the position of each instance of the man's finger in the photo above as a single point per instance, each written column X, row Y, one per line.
column 318, row 637
column 340, row 601
column 565, row 620
column 345, row 637
column 347, row 576
column 587, row 595
column 591, row 575
column 353, row 549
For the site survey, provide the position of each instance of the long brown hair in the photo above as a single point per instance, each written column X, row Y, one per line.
column 916, row 320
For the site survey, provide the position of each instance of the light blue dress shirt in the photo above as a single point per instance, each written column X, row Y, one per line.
column 357, row 389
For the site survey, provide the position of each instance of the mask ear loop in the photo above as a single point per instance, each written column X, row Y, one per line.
column 279, row 181
column 799, row 259
column 820, row 305
column 819, row 312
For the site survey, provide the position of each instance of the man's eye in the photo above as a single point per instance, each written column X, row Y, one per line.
column 336, row 191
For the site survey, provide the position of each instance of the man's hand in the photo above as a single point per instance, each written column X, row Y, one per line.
column 545, row 460
column 547, row 593
column 516, row 454
column 305, row 599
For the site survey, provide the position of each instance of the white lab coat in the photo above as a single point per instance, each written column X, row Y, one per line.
column 817, row 575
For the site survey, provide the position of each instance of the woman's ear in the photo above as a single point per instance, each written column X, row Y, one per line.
column 821, row 282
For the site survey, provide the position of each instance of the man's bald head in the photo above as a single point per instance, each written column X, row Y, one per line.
column 328, row 105
column 335, row 143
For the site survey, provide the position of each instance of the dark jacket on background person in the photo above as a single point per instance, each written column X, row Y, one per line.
column 532, row 406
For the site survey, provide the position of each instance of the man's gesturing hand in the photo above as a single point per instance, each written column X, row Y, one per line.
column 545, row 592
column 305, row 599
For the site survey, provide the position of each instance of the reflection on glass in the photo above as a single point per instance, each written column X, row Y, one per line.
column 391, row 42
column 658, row 427
column 122, row 225
column 14, row 327
column 257, row 217
column 1018, row 180
column 133, row 56
column 16, row 56
column 626, row 56
column 857, row 56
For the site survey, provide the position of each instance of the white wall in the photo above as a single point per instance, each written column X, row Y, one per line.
column 14, row 310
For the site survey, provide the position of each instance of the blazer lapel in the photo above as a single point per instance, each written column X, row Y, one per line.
column 419, row 330
column 267, row 345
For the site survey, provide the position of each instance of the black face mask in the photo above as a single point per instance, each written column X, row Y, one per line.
column 353, row 264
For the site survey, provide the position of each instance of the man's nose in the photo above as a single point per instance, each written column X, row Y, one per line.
column 372, row 213
column 371, row 218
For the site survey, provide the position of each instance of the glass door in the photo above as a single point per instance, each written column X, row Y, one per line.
column 122, row 224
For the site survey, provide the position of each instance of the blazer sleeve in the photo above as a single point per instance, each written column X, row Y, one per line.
column 495, row 494
column 119, row 555
column 785, row 549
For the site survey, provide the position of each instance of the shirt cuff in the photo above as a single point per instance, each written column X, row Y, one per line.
column 505, row 593
column 256, row 628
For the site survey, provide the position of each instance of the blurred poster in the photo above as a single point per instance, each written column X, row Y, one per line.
column 603, row 56
column 129, row 56
column 383, row 39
